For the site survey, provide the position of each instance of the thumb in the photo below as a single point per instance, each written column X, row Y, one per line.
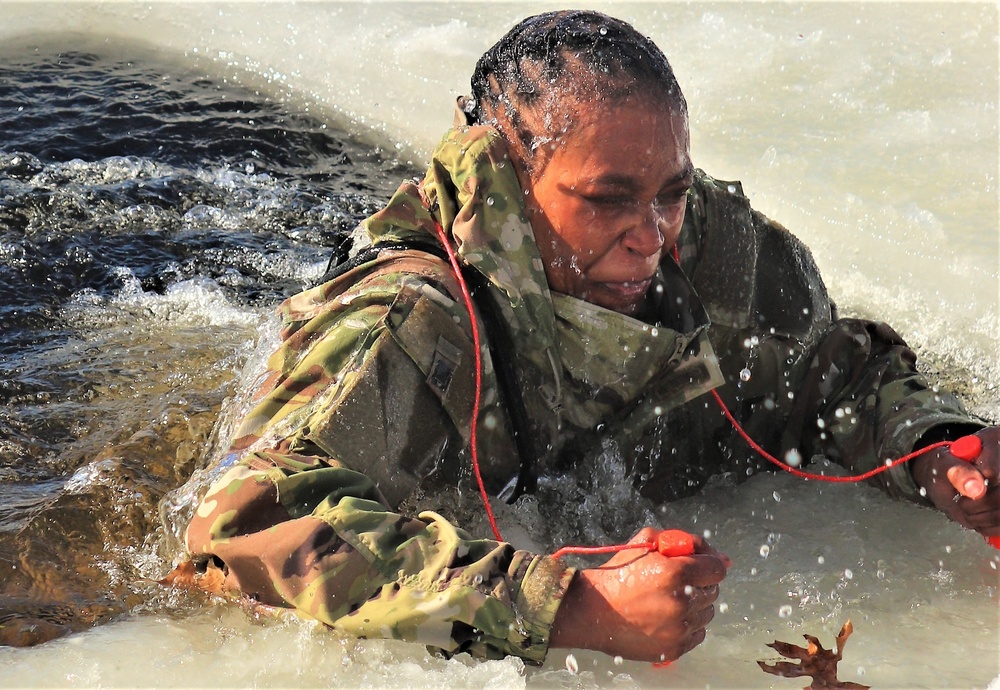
column 967, row 480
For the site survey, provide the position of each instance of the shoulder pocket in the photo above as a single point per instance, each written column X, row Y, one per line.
column 443, row 351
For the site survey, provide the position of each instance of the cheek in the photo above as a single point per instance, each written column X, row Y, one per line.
column 573, row 228
column 671, row 221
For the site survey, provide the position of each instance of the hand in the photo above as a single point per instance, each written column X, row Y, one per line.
column 642, row 605
column 967, row 492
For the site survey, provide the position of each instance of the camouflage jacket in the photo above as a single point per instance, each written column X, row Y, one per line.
column 369, row 397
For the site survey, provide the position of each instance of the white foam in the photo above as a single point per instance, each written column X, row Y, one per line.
column 195, row 302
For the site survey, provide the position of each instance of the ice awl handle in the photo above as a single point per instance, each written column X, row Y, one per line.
column 674, row 542
column 968, row 448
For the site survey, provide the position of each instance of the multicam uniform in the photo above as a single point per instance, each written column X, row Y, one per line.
column 369, row 397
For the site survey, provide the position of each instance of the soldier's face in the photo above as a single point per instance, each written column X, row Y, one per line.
column 610, row 200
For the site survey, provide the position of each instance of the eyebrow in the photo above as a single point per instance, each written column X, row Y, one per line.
column 629, row 183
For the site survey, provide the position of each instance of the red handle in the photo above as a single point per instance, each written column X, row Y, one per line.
column 968, row 448
column 674, row 542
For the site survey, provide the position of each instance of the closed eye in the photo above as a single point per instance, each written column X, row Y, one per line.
column 609, row 199
column 671, row 198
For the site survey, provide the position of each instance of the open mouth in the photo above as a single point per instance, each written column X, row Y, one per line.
column 630, row 289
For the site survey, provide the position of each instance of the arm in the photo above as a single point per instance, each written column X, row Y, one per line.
column 642, row 605
column 312, row 535
column 299, row 521
column 844, row 388
column 879, row 408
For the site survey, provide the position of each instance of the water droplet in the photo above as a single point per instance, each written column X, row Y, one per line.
column 619, row 661
column 821, row 560
column 793, row 458
column 603, row 31
column 785, row 611
column 707, row 534
column 754, row 341
column 723, row 607
column 745, row 374
column 777, row 496
column 571, row 665
column 849, row 574
column 765, row 551
column 489, row 201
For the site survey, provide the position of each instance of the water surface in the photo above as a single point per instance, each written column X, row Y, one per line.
column 169, row 172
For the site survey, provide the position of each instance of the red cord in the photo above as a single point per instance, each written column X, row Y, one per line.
column 821, row 477
column 649, row 545
column 596, row 550
column 453, row 259
column 799, row 473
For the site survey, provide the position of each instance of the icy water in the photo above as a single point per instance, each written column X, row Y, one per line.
column 169, row 172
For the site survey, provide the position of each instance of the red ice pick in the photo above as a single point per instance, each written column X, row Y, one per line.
column 968, row 448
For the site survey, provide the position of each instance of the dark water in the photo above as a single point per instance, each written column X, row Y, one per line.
column 148, row 217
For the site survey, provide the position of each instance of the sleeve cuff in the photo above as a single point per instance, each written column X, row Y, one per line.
column 542, row 590
column 933, row 428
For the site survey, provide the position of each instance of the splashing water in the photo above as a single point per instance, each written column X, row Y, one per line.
column 158, row 197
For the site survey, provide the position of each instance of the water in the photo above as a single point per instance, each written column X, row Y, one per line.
column 169, row 172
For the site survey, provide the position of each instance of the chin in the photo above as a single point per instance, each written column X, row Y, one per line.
column 620, row 306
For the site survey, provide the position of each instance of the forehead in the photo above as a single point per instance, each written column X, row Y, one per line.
column 624, row 141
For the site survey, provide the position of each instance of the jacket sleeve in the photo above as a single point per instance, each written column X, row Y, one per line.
column 854, row 397
column 305, row 515
column 844, row 388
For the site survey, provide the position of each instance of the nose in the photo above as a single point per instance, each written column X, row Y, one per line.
column 645, row 238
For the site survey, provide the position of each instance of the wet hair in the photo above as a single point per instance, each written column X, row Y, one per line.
column 519, row 84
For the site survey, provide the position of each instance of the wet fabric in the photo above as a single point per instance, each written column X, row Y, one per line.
column 369, row 399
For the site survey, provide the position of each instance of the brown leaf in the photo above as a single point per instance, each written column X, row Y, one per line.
column 186, row 576
column 819, row 663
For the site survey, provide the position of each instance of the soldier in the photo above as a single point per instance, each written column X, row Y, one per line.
column 615, row 285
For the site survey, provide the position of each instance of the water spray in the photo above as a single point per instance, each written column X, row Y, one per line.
column 669, row 543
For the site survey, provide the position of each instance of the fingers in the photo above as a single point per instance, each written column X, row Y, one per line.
column 703, row 547
column 967, row 480
column 689, row 643
column 703, row 597
column 702, row 570
column 981, row 515
column 967, row 492
column 700, row 618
